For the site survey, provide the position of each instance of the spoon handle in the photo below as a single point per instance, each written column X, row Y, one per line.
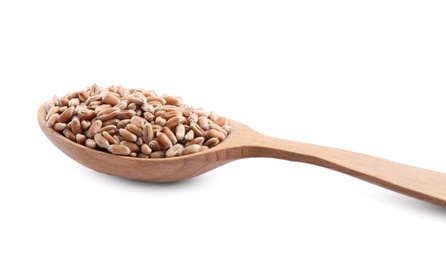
column 409, row 180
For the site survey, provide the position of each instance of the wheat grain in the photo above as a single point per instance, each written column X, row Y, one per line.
column 134, row 122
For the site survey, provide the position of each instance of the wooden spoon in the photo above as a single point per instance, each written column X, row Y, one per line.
column 243, row 142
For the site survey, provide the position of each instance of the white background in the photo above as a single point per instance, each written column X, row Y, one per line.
column 366, row 76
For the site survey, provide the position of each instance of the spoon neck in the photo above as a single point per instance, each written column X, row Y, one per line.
column 261, row 145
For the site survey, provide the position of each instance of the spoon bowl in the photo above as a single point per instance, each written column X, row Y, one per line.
column 153, row 169
column 243, row 142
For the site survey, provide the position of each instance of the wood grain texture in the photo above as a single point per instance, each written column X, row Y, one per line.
column 243, row 142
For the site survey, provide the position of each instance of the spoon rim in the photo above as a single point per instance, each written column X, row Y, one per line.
column 42, row 122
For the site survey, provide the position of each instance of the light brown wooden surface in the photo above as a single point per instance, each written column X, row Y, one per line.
column 243, row 142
